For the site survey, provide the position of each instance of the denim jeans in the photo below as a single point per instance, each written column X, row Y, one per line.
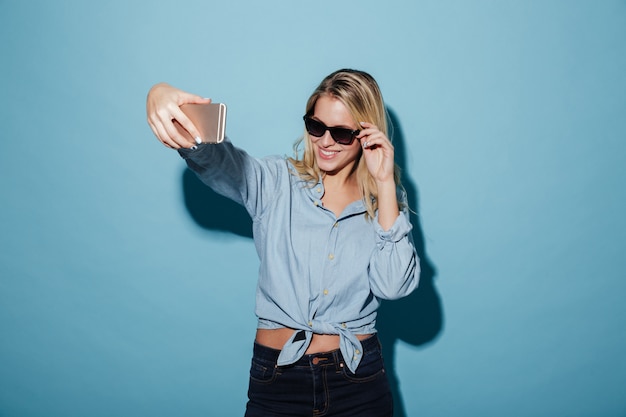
column 319, row 384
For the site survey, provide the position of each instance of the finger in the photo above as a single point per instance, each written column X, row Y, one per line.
column 374, row 140
column 159, row 132
column 186, row 123
column 176, row 138
column 153, row 128
column 369, row 134
column 164, row 136
column 367, row 128
column 188, row 98
column 170, row 132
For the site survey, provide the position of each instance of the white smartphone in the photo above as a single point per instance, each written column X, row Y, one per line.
column 209, row 119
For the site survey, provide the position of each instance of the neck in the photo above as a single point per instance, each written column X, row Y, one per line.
column 343, row 179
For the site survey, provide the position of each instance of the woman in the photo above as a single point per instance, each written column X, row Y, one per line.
column 332, row 232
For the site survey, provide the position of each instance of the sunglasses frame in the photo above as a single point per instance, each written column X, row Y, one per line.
column 332, row 130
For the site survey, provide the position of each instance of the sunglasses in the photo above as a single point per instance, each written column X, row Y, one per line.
column 340, row 135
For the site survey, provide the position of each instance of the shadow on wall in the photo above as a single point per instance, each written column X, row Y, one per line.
column 416, row 319
column 213, row 211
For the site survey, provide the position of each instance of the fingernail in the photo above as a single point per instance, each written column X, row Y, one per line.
column 198, row 140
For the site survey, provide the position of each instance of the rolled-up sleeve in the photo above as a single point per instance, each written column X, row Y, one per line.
column 394, row 267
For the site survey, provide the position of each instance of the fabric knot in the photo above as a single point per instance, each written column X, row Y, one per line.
column 349, row 345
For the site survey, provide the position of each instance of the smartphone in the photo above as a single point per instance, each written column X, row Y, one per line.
column 209, row 119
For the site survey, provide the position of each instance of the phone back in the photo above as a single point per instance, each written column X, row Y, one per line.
column 209, row 119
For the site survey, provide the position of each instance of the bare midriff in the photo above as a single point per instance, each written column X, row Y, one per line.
column 276, row 339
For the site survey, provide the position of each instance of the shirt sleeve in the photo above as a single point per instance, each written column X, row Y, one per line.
column 394, row 267
column 233, row 173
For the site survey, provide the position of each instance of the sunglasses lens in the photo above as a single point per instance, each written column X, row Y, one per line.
column 314, row 128
column 342, row 136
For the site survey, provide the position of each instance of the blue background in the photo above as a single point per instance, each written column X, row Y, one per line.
column 127, row 289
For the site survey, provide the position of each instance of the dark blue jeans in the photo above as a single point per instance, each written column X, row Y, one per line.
column 319, row 385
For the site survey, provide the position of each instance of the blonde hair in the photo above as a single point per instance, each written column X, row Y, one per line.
column 359, row 92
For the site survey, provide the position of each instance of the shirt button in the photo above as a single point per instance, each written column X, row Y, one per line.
column 316, row 203
column 331, row 256
column 344, row 325
column 325, row 292
column 336, row 224
column 318, row 189
column 358, row 352
column 310, row 324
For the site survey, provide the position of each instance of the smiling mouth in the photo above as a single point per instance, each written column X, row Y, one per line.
column 327, row 154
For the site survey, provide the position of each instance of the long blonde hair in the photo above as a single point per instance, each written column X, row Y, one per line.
column 359, row 92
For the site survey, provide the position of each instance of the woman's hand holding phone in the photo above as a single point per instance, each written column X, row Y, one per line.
column 163, row 107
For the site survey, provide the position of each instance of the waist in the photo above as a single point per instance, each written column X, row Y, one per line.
column 276, row 339
column 269, row 356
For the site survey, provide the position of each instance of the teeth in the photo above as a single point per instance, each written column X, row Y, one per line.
column 329, row 153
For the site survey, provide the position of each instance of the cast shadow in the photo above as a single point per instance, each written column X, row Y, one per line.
column 418, row 318
column 213, row 211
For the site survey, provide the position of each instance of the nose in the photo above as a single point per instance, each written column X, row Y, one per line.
column 327, row 140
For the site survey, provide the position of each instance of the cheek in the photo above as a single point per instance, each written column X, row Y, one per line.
column 355, row 150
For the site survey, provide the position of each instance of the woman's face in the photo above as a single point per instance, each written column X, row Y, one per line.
column 332, row 157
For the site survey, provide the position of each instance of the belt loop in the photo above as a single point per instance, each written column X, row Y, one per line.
column 338, row 359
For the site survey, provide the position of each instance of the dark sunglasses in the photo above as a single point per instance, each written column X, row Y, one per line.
column 340, row 135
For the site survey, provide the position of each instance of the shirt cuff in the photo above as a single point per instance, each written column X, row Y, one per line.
column 187, row 152
column 400, row 228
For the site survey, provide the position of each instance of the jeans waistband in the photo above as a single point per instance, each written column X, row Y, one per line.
column 268, row 354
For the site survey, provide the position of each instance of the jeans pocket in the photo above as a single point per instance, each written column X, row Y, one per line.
column 370, row 368
column 262, row 371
